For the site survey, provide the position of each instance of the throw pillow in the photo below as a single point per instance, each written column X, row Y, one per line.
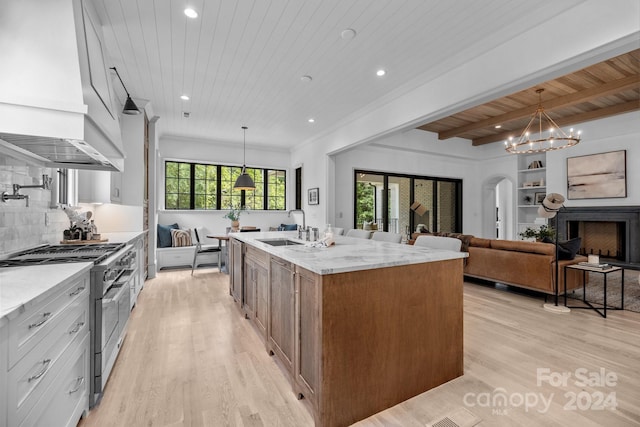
column 180, row 237
column 164, row 235
column 567, row 250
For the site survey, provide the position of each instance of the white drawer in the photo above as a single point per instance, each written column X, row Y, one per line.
column 34, row 373
column 174, row 257
column 67, row 397
column 29, row 328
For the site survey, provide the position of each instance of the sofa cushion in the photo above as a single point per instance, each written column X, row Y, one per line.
column 480, row 242
column 522, row 246
column 164, row 235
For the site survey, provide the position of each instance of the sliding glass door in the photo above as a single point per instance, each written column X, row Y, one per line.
column 387, row 200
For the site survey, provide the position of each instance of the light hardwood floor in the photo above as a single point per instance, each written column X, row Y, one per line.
column 191, row 359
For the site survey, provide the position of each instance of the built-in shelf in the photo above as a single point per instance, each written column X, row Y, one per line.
column 528, row 211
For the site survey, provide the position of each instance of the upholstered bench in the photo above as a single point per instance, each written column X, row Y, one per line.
column 181, row 256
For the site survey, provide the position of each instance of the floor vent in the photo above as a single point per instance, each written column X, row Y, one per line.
column 458, row 418
column 445, row 422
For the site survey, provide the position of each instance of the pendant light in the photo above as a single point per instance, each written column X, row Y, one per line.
column 130, row 107
column 244, row 181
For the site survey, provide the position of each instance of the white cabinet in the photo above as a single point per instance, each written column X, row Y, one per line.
column 4, row 356
column 94, row 186
column 47, row 369
column 137, row 282
column 532, row 178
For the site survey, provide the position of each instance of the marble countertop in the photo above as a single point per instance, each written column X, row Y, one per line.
column 348, row 254
column 123, row 236
column 22, row 286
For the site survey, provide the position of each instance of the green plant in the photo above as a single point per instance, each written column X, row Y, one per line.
column 538, row 233
column 234, row 213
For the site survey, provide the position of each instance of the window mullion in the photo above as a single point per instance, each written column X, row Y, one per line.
column 192, row 187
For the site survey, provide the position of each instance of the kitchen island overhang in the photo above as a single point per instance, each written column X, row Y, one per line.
column 372, row 323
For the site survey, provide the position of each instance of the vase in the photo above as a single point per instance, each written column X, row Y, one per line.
column 235, row 225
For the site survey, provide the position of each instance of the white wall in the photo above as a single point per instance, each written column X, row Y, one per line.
column 417, row 153
column 615, row 133
column 480, row 168
column 192, row 150
column 583, row 35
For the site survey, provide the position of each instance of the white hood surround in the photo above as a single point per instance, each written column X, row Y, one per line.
column 56, row 98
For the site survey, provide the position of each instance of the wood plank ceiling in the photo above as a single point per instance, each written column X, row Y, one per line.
column 241, row 62
column 605, row 89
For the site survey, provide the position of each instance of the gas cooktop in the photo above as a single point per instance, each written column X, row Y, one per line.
column 61, row 254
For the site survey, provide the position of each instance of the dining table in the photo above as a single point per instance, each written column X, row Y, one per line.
column 222, row 245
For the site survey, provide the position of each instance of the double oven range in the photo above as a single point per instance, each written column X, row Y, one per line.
column 112, row 277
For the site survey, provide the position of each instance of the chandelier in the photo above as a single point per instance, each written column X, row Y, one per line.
column 530, row 142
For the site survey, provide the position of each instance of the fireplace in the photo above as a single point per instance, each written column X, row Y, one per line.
column 613, row 232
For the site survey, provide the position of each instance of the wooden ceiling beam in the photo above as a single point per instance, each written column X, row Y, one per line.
column 573, row 120
column 579, row 97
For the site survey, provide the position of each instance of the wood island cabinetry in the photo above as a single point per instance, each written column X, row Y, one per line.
column 236, row 260
column 281, row 313
column 357, row 342
column 255, row 291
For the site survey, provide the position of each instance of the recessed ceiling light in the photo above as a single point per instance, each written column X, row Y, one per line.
column 184, row 97
column 498, row 126
column 191, row 13
column 348, row 34
column 311, row 120
column 380, row 73
column 306, row 78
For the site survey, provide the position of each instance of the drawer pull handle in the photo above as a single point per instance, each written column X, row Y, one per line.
column 77, row 328
column 76, row 292
column 79, row 382
column 45, row 317
column 46, row 363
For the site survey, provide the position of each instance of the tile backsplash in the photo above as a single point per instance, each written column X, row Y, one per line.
column 22, row 226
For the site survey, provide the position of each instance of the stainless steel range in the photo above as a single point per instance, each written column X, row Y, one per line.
column 114, row 267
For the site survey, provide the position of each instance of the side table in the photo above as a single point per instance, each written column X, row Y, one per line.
column 605, row 272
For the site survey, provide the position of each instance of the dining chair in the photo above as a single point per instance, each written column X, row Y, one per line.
column 360, row 234
column 386, row 236
column 439, row 242
column 208, row 249
column 337, row 231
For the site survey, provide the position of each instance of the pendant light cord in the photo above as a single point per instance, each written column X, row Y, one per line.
column 244, row 147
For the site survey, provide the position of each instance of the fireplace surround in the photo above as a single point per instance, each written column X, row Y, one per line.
column 625, row 220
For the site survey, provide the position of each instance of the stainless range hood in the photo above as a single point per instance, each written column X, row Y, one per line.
column 57, row 105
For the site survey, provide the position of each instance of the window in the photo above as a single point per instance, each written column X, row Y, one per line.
column 386, row 199
column 201, row 186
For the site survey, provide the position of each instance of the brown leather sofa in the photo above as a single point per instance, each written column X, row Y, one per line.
column 529, row 265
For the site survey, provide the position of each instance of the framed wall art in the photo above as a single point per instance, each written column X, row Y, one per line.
column 597, row 176
column 313, row 196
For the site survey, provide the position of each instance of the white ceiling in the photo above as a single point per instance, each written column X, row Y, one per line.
column 241, row 61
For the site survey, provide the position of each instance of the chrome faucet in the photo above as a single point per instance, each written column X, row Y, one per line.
column 6, row 196
column 304, row 221
column 46, row 182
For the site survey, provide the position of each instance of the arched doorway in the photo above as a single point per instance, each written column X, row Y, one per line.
column 498, row 208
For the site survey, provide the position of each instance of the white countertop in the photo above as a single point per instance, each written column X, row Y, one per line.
column 20, row 286
column 122, row 237
column 348, row 254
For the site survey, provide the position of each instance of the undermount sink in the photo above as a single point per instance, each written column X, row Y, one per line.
column 279, row 242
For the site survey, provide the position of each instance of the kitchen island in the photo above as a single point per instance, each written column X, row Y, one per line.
column 357, row 327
